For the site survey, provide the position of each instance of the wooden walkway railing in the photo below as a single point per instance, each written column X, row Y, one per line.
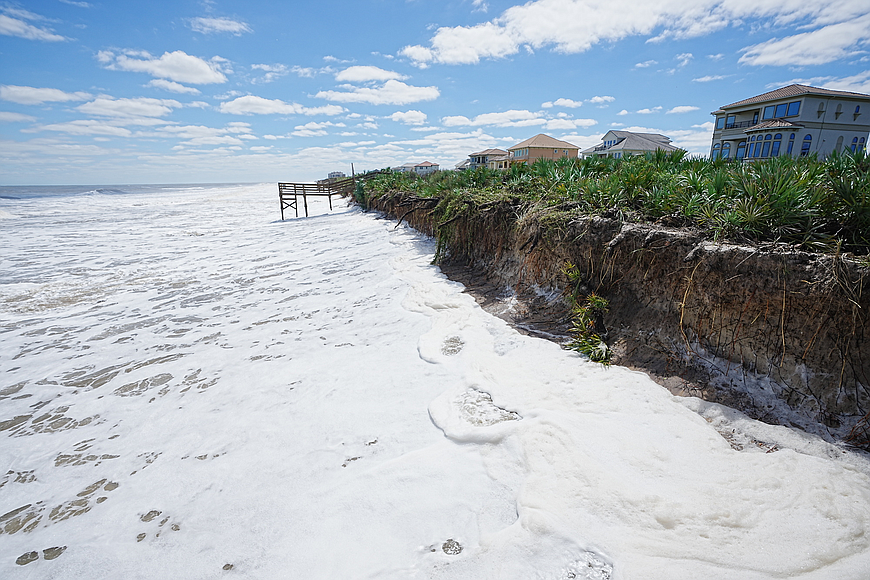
column 289, row 193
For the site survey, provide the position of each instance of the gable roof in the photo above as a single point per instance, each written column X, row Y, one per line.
column 774, row 124
column 648, row 136
column 426, row 164
column 543, row 141
column 489, row 152
column 795, row 91
column 642, row 142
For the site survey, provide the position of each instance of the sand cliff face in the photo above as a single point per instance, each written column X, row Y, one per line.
column 754, row 327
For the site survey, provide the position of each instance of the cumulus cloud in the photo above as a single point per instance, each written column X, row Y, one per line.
column 682, row 109
column 821, row 46
column 253, row 105
column 572, row 26
column 859, row 83
column 219, row 25
column 646, row 64
column 360, row 74
column 38, row 96
column 13, row 23
column 562, row 103
column 709, row 78
column 601, row 100
column 176, row 66
column 234, row 134
column 314, row 129
column 272, row 72
column 85, row 128
column 9, row 117
column 411, row 117
column 392, row 92
column 139, row 107
column 516, row 118
column 172, row 87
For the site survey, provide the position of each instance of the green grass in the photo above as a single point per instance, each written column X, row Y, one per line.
column 821, row 206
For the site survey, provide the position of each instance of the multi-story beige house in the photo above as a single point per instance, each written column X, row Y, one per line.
column 796, row 120
column 541, row 147
column 486, row 158
column 626, row 144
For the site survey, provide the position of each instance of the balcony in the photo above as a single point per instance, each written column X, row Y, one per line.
column 740, row 124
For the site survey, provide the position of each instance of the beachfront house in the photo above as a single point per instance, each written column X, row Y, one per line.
column 425, row 168
column 541, row 147
column 491, row 158
column 621, row 144
column 797, row 120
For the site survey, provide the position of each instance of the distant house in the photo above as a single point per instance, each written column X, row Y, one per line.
column 541, row 147
column 625, row 144
column 425, row 168
column 483, row 158
column 797, row 120
column 406, row 168
column 462, row 165
column 336, row 175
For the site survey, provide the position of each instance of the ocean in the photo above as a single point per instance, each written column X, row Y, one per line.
column 192, row 388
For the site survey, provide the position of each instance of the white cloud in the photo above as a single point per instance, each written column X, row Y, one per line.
column 601, row 100
column 359, row 74
column 709, row 78
column 38, row 96
column 392, row 92
column 253, row 105
column 16, row 27
column 682, row 109
column 859, row 83
column 172, row 86
column 210, row 25
column 646, row 64
column 313, row 129
column 562, row 103
column 272, row 72
column 684, row 59
column 138, row 107
column 649, row 111
column 512, row 118
column 716, row 57
column 820, row 46
column 79, row 4
column 411, row 117
column 177, row 66
column 233, row 134
column 84, row 128
column 572, row 26
column 9, row 117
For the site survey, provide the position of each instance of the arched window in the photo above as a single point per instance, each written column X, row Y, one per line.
column 715, row 153
column 805, row 147
column 726, row 150
column 861, row 144
column 765, row 151
column 777, row 141
column 741, row 150
column 751, row 152
column 854, row 143
column 839, row 146
column 790, row 143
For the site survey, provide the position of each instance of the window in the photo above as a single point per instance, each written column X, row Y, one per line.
column 741, row 150
column 715, row 153
column 729, row 121
column 777, row 142
column 755, row 118
column 768, row 112
column 805, row 147
column 857, row 109
column 726, row 150
column 793, row 109
column 780, row 110
column 751, row 146
column 854, row 143
column 790, row 143
column 765, row 151
column 861, row 144
column 720, row 122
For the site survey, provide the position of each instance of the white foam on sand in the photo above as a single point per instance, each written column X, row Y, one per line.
column 193, row 389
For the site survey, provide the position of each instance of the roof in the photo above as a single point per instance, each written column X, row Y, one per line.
column 543, row 141
column 640, row 142
column 649, row 136
column 426, row 164
column 489, row 152
column 795, row 91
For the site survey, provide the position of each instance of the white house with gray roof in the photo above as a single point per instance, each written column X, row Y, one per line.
column 626, row 144
column 797, row 120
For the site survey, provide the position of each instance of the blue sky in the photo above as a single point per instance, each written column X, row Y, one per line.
column 228, row 91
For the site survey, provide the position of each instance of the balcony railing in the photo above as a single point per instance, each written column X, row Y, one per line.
column 740, row 124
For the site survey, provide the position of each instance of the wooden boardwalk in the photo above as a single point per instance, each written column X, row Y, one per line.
column 289, row 193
